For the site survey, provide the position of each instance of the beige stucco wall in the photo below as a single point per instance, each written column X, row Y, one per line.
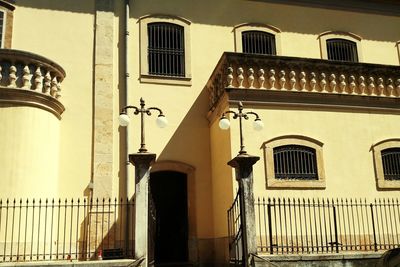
column 44, row 28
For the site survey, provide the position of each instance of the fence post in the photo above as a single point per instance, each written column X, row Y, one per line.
column 270, row 228
column 243, row 164
column 335, row 224
column 142, row 163
column 373, row 227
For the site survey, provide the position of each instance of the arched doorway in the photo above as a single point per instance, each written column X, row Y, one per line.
column 169, row 194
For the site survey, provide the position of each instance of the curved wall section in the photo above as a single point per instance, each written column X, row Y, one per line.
column 29, row 158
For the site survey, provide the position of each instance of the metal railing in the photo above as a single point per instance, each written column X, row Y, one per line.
column 235, row 231
column 40, row 230
column 297, row 226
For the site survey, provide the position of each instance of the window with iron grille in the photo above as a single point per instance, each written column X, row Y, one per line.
column 342, row 50
column 258, row 42
column 391, row 163
column 166, row 49
column 295, row 162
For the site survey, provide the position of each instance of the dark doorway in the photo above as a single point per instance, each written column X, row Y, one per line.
column 169, row 193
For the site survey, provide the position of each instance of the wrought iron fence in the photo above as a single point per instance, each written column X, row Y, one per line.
column 235, row 231
column 65, row 229
column 296, row 226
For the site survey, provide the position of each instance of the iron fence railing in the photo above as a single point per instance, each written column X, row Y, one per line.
column 235, row 231
column 296, row 226
column 40, row 230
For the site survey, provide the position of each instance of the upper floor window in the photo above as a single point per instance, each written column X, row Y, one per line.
column 6, row 24
column 387, row 163
column 258, row 42
column 391, row 163
column 340, row 46
column 294, row 162
column 342, row 50
column 257, row 39
column 165, row 50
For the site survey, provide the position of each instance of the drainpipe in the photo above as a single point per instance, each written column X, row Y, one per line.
column 127, row 169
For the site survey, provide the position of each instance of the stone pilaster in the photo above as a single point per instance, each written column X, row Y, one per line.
column 103, row 99
column 144, row 245
column 243, row 165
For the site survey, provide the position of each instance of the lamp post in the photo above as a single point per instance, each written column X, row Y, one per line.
column 144, row 222
column 243, row 165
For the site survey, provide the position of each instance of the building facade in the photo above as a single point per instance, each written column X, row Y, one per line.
column 323, row 78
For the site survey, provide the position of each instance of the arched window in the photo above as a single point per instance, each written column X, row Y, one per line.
column 258, row 42
column 165, row 50
column 391, row 163
column 387, row 163
column 6, row 24
column 255, row 38
column 340, row 46
column 341, row 50
column 294, row 161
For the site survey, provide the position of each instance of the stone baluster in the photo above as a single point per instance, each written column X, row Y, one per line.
column 12, row 78
column 352, row 84
column 58, row 94
column 282, row 79
column 53, row 89
column 1, row 75
column 38, row 80
column 26, row 78
column 398, row 87
column 313, row 81
column 389, row 87
column 271, row 78
column 332, row 82
column 302, row 80
column 380, row 86
column 261, row 78
column 47, row 83
column 322, row 82
column 371, row 86
column 342, row 83
column 250, row 78
column 292, row 80
column 240, row 77
column 361, row 85
column 229, row 77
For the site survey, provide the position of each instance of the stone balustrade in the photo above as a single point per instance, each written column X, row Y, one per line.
column 27, row 77
column 259, row 72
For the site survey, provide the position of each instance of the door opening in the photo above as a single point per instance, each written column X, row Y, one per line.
column 169, row 194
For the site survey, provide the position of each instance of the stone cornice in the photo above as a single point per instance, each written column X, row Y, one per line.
column 19, row 97
column 302, row 81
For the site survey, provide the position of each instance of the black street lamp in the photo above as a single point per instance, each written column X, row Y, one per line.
column 224, row 123
column 124, row 120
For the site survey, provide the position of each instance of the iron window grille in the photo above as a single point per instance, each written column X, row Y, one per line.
column 258, row 42
column 391, row 163
column 166, row 49
column 342, row 50
column 295, row 162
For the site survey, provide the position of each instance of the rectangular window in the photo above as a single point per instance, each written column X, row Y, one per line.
column 258, row 42
column 295, row 162
column 391, row 163
column 341, row 50
column 166, row 49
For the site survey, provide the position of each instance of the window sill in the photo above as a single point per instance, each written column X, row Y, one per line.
column 165, row 80
column 296, row 184
column 388, row 184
